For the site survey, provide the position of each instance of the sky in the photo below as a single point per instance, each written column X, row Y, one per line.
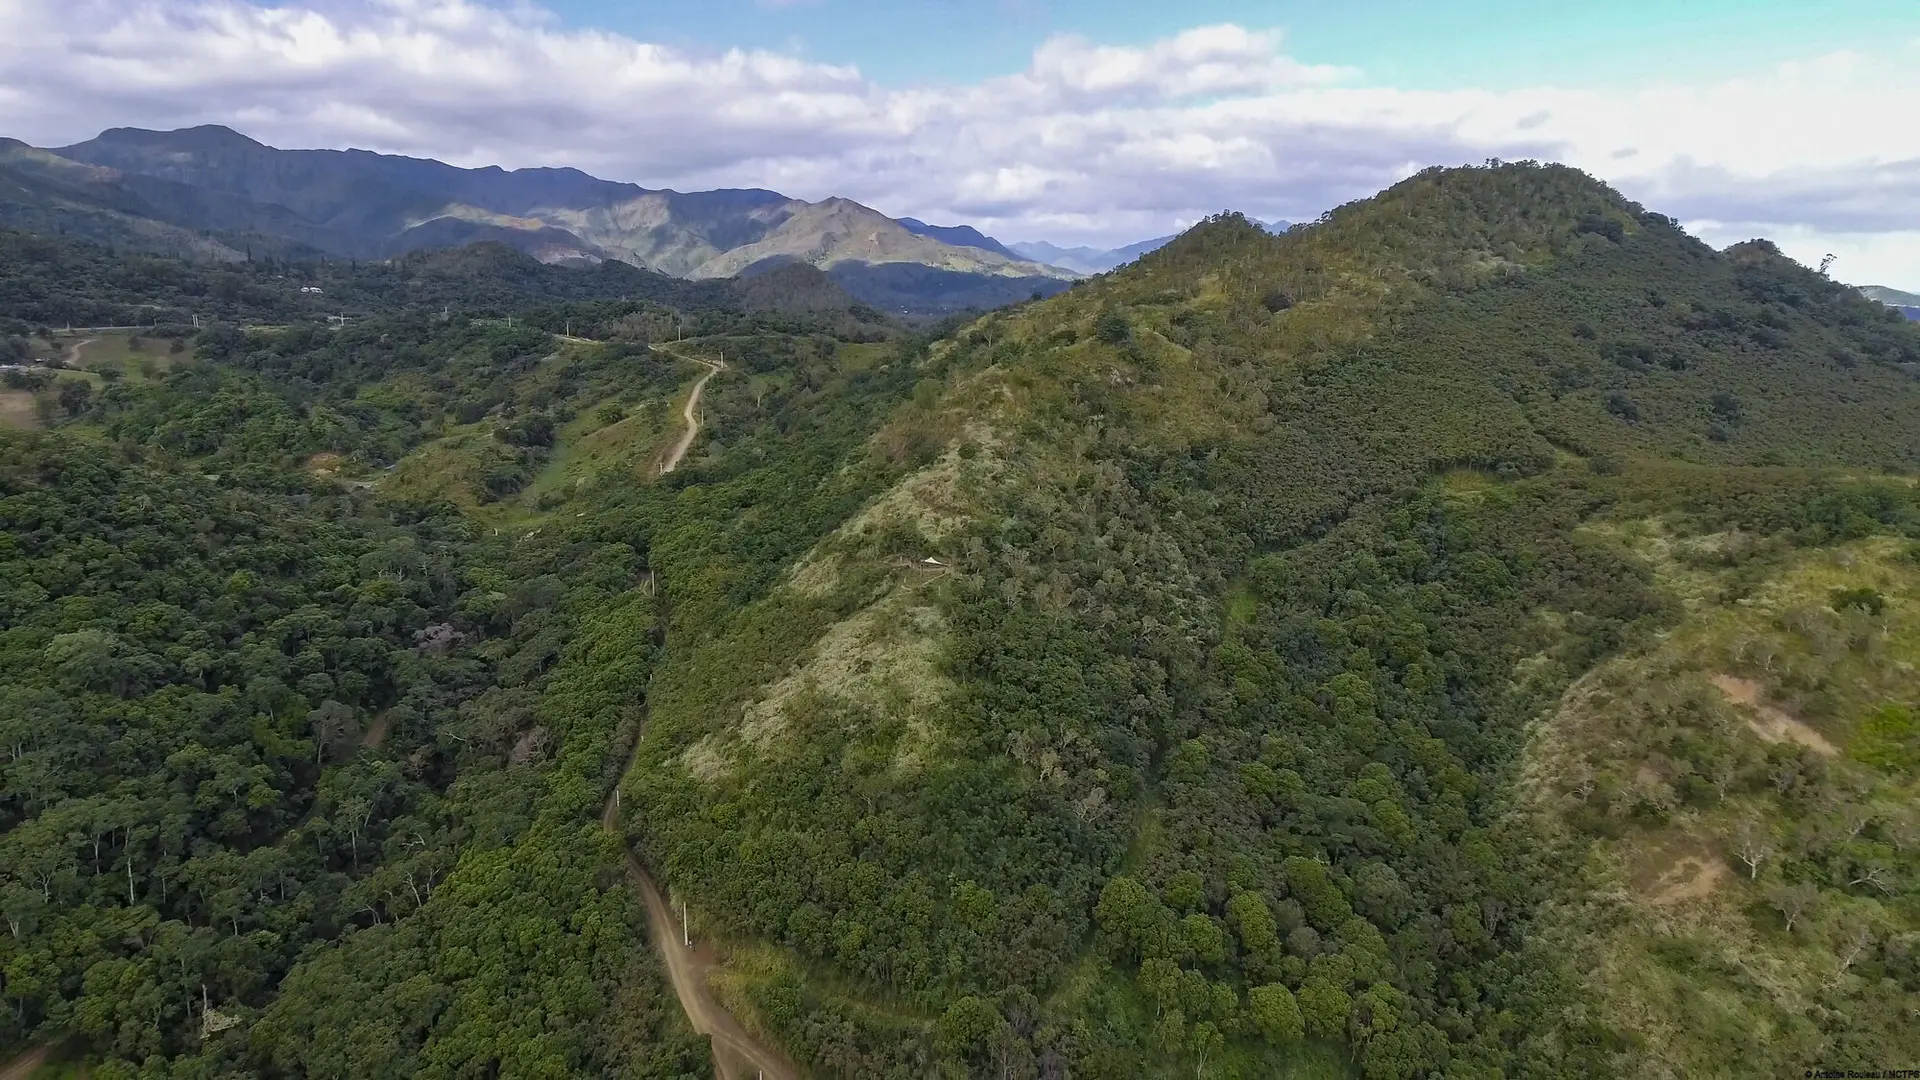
column 1073, row 121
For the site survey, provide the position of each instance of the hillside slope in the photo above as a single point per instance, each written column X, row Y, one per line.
column 1165, row 715
column 835, row 231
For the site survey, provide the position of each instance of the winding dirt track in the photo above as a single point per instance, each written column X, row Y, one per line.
column 691, row 413
column 736, row 1054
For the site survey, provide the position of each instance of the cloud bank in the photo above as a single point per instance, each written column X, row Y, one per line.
column 1091, row 143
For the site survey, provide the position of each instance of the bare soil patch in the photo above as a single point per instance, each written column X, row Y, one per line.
column 1675, row 873
column 1770, row 722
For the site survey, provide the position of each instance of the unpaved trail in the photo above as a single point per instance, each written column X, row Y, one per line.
column 71, row 355
column 26, row 1064
column 736, row 1054
column 691, row 414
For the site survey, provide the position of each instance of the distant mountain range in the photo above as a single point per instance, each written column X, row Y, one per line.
column 214, row 193
column 1908, row 303
column 1087, row 260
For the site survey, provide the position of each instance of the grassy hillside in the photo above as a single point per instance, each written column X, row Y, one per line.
column 1194, row 741
column 1736, row 804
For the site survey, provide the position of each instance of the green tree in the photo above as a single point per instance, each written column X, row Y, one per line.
column 1275, row 1014
column 1323, row 1008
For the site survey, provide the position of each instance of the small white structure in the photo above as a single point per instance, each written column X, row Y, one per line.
column 311, row 290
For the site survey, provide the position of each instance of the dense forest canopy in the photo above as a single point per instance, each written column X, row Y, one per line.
column 1201, row 671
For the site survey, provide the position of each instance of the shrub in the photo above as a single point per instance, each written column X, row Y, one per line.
column 1866, row 599
column 1112, row 327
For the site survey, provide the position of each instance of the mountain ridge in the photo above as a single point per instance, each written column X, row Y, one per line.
column 239, row 194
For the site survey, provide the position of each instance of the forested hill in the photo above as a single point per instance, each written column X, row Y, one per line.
column 1469, row 635
column 1170, row 722
column 56, row 283
column 315, row 669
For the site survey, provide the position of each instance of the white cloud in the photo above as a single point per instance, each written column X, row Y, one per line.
column 1090, row 142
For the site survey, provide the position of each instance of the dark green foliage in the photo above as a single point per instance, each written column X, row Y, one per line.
column 188, row 670
column 61, row 283
column 1865, row 598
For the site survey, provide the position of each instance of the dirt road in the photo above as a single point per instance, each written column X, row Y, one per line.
column 377, row 734
column 71, row 357
column 736, row 1054
column 691, row 414
column 25, row 1065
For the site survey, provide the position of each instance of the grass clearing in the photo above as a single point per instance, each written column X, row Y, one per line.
column 119, row 355
column 594, row 444
column 18, row 410
column 451, row 467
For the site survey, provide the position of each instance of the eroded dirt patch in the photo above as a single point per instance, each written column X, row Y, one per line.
column 1770, row 722
column 1675, row 873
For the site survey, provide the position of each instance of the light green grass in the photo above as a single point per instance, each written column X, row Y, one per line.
column 586, row 448
column 18, row 412
column 114, row 355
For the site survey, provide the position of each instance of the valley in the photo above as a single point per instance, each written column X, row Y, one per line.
column 1469, row 635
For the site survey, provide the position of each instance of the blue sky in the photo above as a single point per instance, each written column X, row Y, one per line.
column 1073, row 121
column 1426, row 44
